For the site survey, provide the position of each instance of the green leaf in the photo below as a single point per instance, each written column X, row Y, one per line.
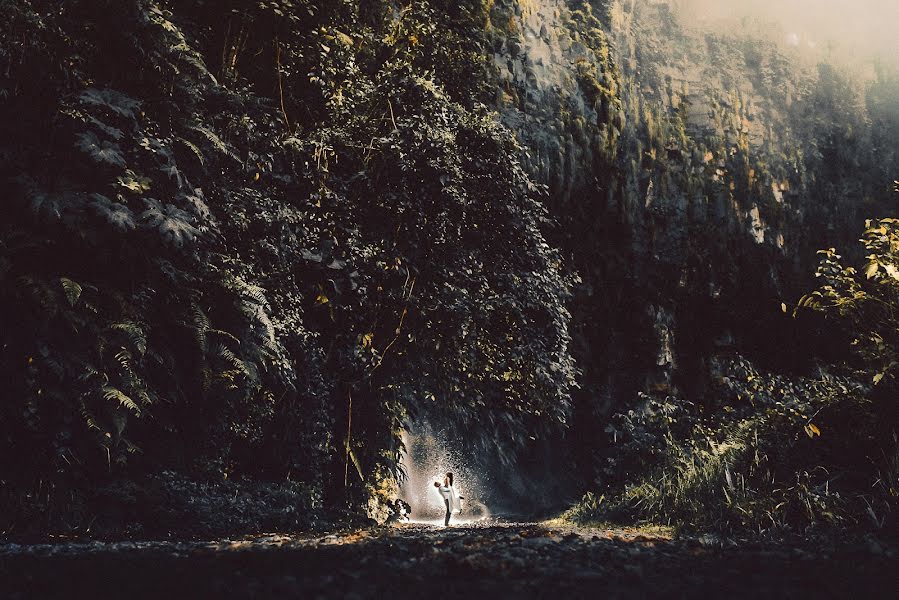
column 117, row 395
column 172, row 223
column 216, row 142
column 193, row 148
column 871, row 269
column 101, row 151
column 71, row 289
column 892, row 271
column 117, row 102
column 356, row 464
column 134, row 333
column 877, row 378
column 114, row 213
column 134, row 182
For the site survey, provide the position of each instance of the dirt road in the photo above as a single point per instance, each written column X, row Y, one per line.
column 495, row 560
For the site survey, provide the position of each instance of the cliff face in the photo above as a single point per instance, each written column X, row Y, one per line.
column 694, row 173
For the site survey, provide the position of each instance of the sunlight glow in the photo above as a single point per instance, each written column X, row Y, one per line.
column 426, row 460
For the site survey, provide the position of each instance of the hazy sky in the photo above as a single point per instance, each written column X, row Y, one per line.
column 860, row 27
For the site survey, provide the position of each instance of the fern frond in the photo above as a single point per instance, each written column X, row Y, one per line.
column 255, row 293
column 217, row 144
column 230, row 358
column 230, row 377
column 114, row 394
column 134, row 333
column 72, row 290
column 123, row 357
column 193, row 148
column 200, row 324
column 248, row 291
column 251, row 373
column 192, row 58
column 88, row 417
column 142, row 393
column 224, row 334
column 91, row 372
column 239, row 367
column 268, row 326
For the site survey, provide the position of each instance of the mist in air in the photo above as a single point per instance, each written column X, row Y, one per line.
column 851, row 30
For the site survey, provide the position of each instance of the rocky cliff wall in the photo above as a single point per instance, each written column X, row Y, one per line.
column 693, row 174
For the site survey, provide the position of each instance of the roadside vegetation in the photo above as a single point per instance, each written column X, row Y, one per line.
column 779, row 452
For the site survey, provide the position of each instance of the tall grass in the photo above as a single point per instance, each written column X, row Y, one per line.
column 781, row 463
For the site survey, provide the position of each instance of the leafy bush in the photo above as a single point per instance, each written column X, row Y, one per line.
column 251, row 242
column 764, row 460
column 865, row 302
column 778, row 451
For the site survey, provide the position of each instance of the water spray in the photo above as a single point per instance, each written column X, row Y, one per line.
column 428, row 457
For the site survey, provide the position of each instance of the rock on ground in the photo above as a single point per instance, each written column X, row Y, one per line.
column 496, row 560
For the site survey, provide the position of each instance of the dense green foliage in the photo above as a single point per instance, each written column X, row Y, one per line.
column 865, row 301
column 253, row 241
column 780, row 451
column 245, row 244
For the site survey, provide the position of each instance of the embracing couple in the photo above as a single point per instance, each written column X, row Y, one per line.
column 452, row 500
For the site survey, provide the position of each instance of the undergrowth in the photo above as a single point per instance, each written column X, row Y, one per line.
column 779, row 454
